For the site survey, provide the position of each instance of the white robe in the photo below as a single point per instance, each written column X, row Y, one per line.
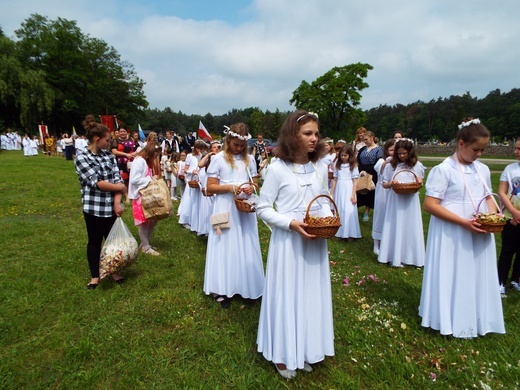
column 460, row 291
column 402, row 239
column 26, row 143
column 347, row 211
column 189, row 202
column 206, row 206
column 233, row 259
column 379, row 203
column 295, row 323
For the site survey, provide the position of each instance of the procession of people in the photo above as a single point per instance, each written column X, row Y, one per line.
column 220, row 196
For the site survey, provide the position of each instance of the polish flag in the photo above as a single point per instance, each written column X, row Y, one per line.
column 203, row 132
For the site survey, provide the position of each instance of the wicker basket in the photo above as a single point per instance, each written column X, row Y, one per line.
column 241, row 204
column 406, row 188
column 488, row 226
column 194, row 182
column 322, row 227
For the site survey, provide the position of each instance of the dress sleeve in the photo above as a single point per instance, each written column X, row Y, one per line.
column 437, row 182
column 268, row 195
column 214, row 167
column 138, row 174
column 355, row 173
column 388, row 173
column 419, row 169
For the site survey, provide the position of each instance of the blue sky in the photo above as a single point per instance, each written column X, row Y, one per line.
column 216, row 55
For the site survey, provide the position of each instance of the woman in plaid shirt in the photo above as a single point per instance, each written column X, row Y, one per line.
column 101, row 191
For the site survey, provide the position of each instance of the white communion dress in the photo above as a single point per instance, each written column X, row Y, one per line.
column 233, row 259
column 295, row 323
column 460, row 291
column 402, row 239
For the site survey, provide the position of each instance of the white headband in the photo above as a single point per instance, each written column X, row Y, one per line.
column 310, row 113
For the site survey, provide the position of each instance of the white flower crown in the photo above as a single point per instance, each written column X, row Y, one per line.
column 403, row 139
column 475, row 121
column 236, row 135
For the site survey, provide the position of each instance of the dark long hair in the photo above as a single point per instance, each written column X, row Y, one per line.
column 404, row 143
column 287, row 148
column 351, row 157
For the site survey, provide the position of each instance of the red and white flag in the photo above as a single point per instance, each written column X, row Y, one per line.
column 203, row 132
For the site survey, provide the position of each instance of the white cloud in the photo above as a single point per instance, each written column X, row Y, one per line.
column 419, row 50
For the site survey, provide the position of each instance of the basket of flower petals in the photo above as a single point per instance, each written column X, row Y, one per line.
column 245, row 205
column 490, row 222
column 406, row 188
column 322, row 227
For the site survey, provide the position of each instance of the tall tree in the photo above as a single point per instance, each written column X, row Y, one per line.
column 25, row 95
column 335, row 96
column 85, row 74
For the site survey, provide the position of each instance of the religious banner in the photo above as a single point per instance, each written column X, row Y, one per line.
column 42, row 129
column 109, row 121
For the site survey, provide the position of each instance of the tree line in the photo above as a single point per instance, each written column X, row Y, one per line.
column 436, row 120
column 55, row 74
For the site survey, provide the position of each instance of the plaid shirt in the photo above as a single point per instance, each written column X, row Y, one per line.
column 92, row 168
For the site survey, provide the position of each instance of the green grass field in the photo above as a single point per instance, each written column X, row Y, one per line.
column 159, row 331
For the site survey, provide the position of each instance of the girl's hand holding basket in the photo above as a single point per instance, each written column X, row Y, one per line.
column 490, row 222
column 299, row 227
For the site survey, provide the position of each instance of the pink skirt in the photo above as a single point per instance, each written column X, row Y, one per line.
column 137, row 210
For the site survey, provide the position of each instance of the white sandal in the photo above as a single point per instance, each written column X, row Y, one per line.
column 307, row 367
column 150, row 251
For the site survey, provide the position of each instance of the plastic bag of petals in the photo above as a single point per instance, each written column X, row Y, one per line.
column 119, row 250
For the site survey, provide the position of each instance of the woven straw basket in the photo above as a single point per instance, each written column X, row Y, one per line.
column 241, row 204
column 488, row 226
column 406, row 188
column 322, row 227
column 194, row 182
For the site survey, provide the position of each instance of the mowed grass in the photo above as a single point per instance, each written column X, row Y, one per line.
column 160, row 331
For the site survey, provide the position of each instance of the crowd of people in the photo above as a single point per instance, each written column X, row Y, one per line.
column 462, row 284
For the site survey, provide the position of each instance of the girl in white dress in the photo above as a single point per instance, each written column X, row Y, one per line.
column 188, row 209
column 233, row 258
column 402, row 238
column 207, row 199
column 181, row 178
column 295, row 328
column 166, row 170
column 329, row 158
column 199, row 148
column 460, row 292
column 380, row 195
column 344, row 186
column 145, row 166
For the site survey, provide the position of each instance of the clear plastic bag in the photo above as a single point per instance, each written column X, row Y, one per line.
column 119, row 250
